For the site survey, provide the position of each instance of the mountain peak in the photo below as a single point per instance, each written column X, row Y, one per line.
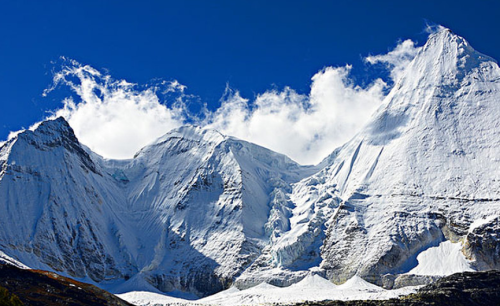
column 431, row 148
column 187, row 132
column 52, row 132
column 54, row 128
column 446, row 65
column 445, row 59
column 50, row 135
column 194, row 133
column 445, row 38
column 450, row 46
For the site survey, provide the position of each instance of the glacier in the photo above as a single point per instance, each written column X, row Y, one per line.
column 197, row 212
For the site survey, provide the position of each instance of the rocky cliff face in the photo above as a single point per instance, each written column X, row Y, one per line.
column 41, row 288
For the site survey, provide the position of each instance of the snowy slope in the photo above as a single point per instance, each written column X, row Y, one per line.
column 203, row 204
column 420, row 173
column 58, row 210
column 445, row 259
column 189, row 212
column 4, row 259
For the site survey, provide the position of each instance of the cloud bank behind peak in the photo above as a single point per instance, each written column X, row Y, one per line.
column 116, row 118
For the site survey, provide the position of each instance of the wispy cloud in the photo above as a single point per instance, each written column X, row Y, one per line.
column 305, row 127
column 396, row 60
column 431, row 27
column 116, row 118
column 113, row 117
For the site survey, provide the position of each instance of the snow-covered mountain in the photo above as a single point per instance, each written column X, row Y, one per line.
column 188, row 212
column 59, row 211
column 197, row 211
column 424, row 170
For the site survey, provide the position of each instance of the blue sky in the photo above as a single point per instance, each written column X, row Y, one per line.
column 252, row 46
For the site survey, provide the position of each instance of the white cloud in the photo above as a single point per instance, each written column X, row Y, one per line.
column 432, row 28
column 397, row 59
column 305, row 127
column 116, row 118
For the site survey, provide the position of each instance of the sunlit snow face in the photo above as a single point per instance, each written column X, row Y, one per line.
column 116, row 118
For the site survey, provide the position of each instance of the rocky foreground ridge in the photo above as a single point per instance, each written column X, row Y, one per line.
column 461, row 289
column 42, row 288
column 30, row 287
